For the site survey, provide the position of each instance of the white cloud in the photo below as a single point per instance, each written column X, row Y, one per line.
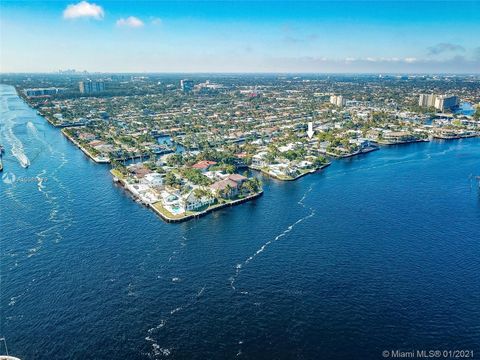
column 83, row 9
column 130, row 21
column 370, row 59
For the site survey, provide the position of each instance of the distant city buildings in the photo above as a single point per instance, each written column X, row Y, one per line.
column 89, row 86
column 338, row 100
column 186, row 85
column 42, row 91
column 426, row 100
column 446, row 102
column 439, row 102
column 207, row 87
column 71, row 72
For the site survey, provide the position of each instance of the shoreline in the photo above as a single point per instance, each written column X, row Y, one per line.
column 85, row 151
column 312, row 171
column 206, row 211
column 356, row 153
column 386, row 143
column 157, row 207
column 62, row 130
column 456, row 137
column 361, row 152
column 165, row 215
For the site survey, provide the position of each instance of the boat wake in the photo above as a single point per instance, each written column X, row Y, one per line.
column 17, row 148
column 59, row 216
column 157, row 350
column 240, row 266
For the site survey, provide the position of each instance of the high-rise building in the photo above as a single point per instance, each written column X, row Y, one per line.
column 338, row 100
column 89, row 86
column 42, row 92
column 427, row 100
column 440, row 102
column 186, row 85
column 446, row 102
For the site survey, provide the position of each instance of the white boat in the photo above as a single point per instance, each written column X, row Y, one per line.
column 6, row 357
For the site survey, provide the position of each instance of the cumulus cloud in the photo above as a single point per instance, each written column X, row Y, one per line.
column 445, row 47
column 130, row 21
column 83, row 9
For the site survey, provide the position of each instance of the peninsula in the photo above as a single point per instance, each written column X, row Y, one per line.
column 187, row 146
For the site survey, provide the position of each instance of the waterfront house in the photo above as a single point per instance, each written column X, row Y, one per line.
column 143, row 192
column 95, row 143
column 87, row 136
column 215, row 175
column 239, row 179
column 304, row 164
column 225, row 188
column 284, row 168
column 138, row 170
column 259, row 159
column 287, row 147
column 203, row 165
column 153, row 179
column 172, row 202
column 362, row 143
column 398, row 136
column 192, row 202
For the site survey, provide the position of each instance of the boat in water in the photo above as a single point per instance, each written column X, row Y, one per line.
column 2, row 151
column 6, row 356
column 23, row 159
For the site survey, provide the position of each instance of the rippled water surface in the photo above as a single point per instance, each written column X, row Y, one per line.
column 376, row 252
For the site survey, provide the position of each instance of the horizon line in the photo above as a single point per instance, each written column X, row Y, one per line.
column 85, row 72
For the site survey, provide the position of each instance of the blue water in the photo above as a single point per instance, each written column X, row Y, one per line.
column 167, row 140
column 376, row 252
column 465, row 109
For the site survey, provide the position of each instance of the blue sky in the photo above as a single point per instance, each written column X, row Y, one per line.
column 240, row 36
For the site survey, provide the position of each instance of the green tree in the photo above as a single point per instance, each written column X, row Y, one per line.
column 477, row 113
column 172, row 180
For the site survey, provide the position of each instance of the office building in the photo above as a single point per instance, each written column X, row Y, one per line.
column 186, row 85
column 338, row 100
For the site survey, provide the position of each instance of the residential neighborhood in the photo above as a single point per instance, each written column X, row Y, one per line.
column 187, row 146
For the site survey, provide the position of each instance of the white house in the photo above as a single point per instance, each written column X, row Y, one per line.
column 153, row 179
column 259, row 159
column 191, row 202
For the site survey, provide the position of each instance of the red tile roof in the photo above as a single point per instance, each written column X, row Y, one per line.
column 222, row 184
column 237, row 177
column 204, row 164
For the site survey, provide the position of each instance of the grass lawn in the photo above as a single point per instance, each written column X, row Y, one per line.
column 159, row 207
column 117, row 174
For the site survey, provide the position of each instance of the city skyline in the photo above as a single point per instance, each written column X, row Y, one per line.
column 203, row 36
